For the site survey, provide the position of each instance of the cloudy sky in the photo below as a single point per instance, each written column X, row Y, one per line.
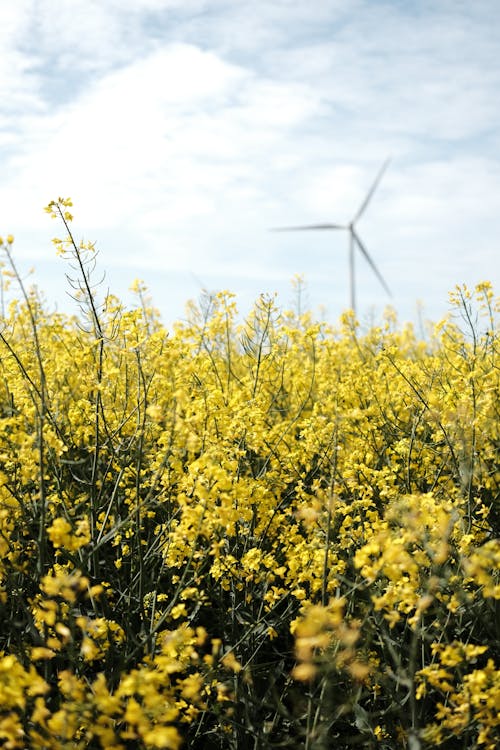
column 184, row 129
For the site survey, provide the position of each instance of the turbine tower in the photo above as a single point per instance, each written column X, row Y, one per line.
column 354, row 238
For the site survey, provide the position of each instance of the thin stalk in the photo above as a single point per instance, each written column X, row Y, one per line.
column 98, row 406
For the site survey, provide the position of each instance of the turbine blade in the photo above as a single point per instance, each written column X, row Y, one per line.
column 308, row 227
column 370, row 262
column 369, row 195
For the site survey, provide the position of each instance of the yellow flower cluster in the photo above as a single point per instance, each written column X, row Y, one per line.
column 469, row 697
column 61, row 534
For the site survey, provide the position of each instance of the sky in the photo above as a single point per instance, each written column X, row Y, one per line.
column 183, row 130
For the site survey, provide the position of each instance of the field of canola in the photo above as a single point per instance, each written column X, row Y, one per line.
column 246, row 535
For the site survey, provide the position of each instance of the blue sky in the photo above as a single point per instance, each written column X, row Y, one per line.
column 185, row 129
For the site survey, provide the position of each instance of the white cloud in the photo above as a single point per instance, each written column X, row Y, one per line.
column 173, row 137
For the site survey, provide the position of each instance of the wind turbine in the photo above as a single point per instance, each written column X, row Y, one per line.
column 354, row 238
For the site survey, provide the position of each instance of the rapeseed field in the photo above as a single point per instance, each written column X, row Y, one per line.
column 275, row 533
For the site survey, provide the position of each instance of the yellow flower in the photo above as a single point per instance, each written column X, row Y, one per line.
column 304, row 672
column 230, row 662
column 155, row 412
column 133, row 713
column 11, row 731
column 191, row 686
column 167, row 738
column 40, row 652
column 61, row 534
column 380, row 733
column 178, row 611
column 89, row 649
